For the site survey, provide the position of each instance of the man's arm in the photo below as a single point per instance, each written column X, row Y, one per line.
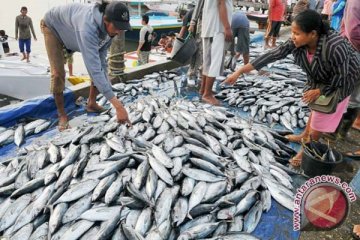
column 196, row 14
column 271, row 5
column 141, row 40
column 16, row 28
column 186, row 23
column 182, row 31
column 103, row 54
column 224, row 20
column 32, row 29
column 88, row 43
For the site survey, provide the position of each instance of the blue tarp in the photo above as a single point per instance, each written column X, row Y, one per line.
column 41, row 107
column 37, row 108
column 275, row 224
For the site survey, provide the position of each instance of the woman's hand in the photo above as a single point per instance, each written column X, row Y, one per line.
column 233, row 77
column 311, row 95
column 231, row 80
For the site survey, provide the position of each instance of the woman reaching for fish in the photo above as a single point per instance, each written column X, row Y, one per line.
column 327, row 58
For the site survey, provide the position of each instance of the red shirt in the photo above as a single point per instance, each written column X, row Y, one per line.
column 277, row 10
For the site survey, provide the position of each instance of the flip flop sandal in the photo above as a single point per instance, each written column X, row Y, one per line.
column 353, row 156
column 63, row 126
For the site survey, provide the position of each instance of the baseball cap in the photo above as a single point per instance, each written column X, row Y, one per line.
column 119, row 15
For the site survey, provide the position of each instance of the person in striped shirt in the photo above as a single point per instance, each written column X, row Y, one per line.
column 337, row 67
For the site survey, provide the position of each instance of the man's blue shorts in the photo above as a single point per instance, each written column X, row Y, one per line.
column 25, row 43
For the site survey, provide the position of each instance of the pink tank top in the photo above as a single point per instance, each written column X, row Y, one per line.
column 309, row 56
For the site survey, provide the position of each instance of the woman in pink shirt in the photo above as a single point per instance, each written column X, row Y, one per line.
column 275, row 18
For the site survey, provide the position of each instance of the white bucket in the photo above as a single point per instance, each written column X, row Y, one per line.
column 178, row 43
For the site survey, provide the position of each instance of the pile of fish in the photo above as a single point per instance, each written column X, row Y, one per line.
column 268, row 101
column 183, row 171
column 17, row 134
column 137, row 88
column 274, row 98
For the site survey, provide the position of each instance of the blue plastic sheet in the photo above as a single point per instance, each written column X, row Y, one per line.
column 37, row 108
column 41, row 107
column 276, row 224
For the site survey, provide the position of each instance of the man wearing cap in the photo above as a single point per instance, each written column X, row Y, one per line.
column 88, row 29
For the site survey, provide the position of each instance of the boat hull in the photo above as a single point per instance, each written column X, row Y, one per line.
column 23, row 80
column 160, row 24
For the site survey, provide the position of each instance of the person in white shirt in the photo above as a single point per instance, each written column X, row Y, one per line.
column 215, row 31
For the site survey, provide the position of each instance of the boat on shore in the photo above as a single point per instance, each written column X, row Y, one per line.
column 160, row 24
column 162, row 20
column 20, row 80
column 156, row 55
column 23, row 80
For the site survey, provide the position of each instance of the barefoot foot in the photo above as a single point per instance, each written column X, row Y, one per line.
column 297, row 138
column 95, row 108
column 211, row 100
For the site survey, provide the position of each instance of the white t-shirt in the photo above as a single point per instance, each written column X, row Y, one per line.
column 211, row 22
column 143, row 31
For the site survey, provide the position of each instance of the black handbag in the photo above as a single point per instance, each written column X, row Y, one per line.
column 325, row 104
